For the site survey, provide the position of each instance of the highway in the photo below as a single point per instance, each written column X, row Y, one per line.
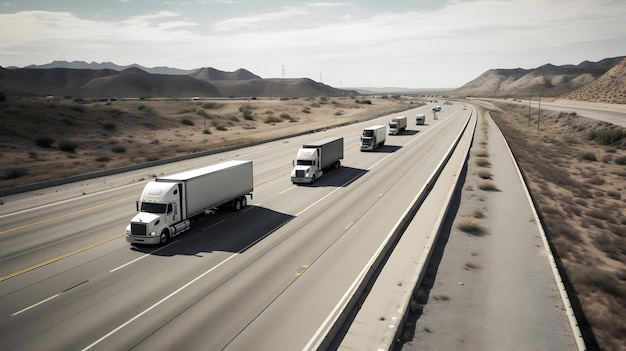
column 272, row 276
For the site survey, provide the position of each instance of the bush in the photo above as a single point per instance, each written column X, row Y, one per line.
column 488, row 185
column 471, row 225
column 605, row 136
column 119, row 149
column 588, row 156
column 109, row 126
column 103, row 159
column 272, row 119
column 621, row 160
column 67, row 146
column 187, row 122
column 44, row 141
column 15, row 173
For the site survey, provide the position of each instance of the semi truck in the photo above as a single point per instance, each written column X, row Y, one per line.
column 420, row 118
column 315, row 158
column 373, row 137
column 167, row 204
column 397, row 125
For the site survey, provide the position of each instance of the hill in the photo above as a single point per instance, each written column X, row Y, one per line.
column 135, row 83
column 552, row 80
column 608, row 88
column 109, row 65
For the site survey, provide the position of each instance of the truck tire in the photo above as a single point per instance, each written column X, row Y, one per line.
column 237, row 204
column 244, row 202
column 164, row 237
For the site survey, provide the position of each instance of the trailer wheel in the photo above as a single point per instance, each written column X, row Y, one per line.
column 165, row 236
column 244, row 202
column 237, row 204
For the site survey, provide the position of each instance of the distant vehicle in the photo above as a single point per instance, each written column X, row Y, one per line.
column 373, row 137
column 195, row 98
column 437, row 108
column 168, row 203
column 447, row 103
column 420, row 118
column 316, row 157
column 397, row 125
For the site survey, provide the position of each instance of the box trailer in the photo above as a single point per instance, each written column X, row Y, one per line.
column 314, row 158
column 397, row 125
column 420, row 118
column 373, row 137
column 168, row 203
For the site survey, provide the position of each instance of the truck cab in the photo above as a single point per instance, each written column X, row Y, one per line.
column 159, row 215
column 307, row 166
column 373, row 137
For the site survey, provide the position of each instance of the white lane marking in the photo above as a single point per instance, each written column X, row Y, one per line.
column 35, row 305
column 142, row 257
column 179, row 290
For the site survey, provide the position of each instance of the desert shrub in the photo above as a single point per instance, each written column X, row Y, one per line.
column 306, row 110
column 605, row 136
column 109, row 126
column 206, row 131
column 621, row 160
column 221, row 127
column 482, row 153
column 471, row 225
column 187, row 122
column 272, row 119
column 607, row 158
column 488, row 185
column 103, row 159
column 14, row 173
column 286, row 116
column 339, row 113
column 363, row 102
column 233, row 118
column 77, row 108
column 596, row 181
column 284, row 98
column 44, row 141
column 483, row 162
column 484, row 174
column 614, row 194
column 67, row 146
column 588, row 156
column 211, row 105
column 118, row 149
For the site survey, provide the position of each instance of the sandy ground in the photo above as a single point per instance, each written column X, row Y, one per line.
column 494, row 288
column 120, row 133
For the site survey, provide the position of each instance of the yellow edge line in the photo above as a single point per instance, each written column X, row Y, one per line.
column 65, row 215
column 38, row 265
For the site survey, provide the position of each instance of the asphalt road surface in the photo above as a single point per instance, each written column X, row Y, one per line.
column 269, row 277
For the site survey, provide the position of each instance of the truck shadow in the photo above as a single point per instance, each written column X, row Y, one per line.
column 386, row 149
column 341, row 177
column 408, row 132
column 220, row 233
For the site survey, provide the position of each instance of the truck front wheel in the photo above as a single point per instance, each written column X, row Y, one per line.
column 165, row 236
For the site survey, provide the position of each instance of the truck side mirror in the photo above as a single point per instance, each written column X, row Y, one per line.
column 137, row 205
column 293, row 163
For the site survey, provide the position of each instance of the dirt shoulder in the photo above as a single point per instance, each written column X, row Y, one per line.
column 51, row 139
column 576, row 174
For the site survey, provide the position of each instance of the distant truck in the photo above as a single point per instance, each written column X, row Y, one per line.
column 168, row 203
column 420, row 118
column 314, row 158
column 373, row 137
column 437, row 108
column 397, row 125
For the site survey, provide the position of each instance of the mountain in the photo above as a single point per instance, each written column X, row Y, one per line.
column 134, row 82
column 552, row 80
column 608, row 88
column 109, row 65
column 211, row 74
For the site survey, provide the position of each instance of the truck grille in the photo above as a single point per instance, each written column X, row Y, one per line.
column 138, row 229
column 299, row 173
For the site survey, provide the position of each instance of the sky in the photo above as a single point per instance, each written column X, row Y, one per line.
column 395, row 43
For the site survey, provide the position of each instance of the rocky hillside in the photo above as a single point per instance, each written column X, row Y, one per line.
column 552, row 80
column 608, row 88
column 136, row 83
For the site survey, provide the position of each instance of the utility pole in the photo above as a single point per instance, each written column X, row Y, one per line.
column 539, row 116
column 529, row 100
column 282, row 73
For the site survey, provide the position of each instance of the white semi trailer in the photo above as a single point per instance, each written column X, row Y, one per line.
column 314, row 158
column 397, row 125
column 168, row 203
column 420, row 118
column 373, row 137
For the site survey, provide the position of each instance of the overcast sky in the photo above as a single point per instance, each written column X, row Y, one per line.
column 395, row 43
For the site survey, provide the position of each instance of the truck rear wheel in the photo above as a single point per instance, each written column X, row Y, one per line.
column 237, row 204
column 244, row 202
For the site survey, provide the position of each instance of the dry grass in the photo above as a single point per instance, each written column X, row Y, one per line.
column 488, row 185
column 581, row 207
column 49, row 139
column 471, row 225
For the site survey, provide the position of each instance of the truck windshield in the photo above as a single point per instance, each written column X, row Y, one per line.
column 304, row 162
column 392, row 125
column 153, row 208
column 368, row 133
